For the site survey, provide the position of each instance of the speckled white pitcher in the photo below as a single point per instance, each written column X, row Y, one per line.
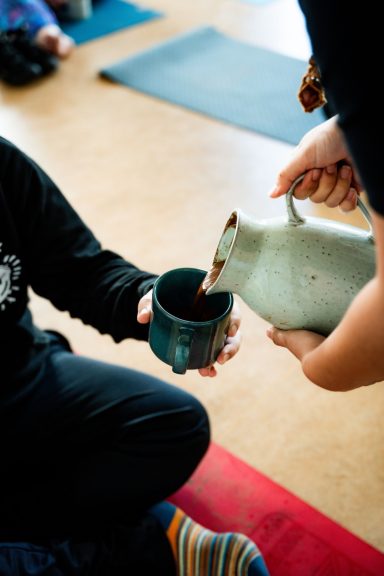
column 294, row 272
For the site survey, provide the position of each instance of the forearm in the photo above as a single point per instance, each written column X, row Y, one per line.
column 108, row 296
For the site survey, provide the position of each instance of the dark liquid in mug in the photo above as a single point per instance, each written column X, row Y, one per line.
column 200, row 311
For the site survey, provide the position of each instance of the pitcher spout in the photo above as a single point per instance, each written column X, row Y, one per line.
column 234, row 252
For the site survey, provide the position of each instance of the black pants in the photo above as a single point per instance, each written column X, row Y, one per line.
column 86, row 449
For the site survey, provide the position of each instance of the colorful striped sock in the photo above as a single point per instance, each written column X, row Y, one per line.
column 200, row 552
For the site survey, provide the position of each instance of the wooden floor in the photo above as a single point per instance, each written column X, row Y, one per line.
column 157, row 184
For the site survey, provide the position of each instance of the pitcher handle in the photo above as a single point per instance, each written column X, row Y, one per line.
column 295, row 218
column 293, row 215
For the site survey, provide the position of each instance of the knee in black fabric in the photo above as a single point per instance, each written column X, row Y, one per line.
column 197, row 430
column 166, row 422
column 188, row 441
column 181, row 431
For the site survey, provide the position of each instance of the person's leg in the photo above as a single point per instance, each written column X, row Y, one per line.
column 96, row 446
column 99, row 443
column 116, row 551
column 40, row 23
column 30, row 14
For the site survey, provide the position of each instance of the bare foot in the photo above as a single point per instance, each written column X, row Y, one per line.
column 52, row 39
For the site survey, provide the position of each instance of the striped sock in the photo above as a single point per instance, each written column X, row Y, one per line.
column 200, row 552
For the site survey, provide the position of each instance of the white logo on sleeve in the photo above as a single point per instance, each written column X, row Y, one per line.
column 10, row 270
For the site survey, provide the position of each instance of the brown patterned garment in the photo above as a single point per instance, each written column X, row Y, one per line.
column 311, row 93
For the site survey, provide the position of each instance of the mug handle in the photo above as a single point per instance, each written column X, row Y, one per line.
column 295, row 218
column 183, row 350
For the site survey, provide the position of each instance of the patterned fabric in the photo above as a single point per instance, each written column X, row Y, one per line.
column 202, row 552
column 225, row 553
column 29, row 14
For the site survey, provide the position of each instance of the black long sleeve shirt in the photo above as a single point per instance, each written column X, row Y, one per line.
column 346, row 39
column 44, row 244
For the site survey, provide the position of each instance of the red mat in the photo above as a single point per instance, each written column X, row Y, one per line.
column 225, row 494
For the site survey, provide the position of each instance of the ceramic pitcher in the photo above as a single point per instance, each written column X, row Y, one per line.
column 292, row 271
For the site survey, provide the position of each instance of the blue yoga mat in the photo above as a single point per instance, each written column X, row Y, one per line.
column 214, row 74
column 108, row 16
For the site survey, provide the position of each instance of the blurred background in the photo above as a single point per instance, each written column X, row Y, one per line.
column 157, row 183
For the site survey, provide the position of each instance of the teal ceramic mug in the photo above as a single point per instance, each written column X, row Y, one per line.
column 185, row 333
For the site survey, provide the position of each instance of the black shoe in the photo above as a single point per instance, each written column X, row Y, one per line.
column 15, row 69
column 19, row 38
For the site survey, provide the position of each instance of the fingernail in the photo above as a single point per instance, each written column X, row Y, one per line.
column 331, row 169
column 143, row 311
column 345, row 172
column 316, row 173
column 269, row 332
column 273, row 193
